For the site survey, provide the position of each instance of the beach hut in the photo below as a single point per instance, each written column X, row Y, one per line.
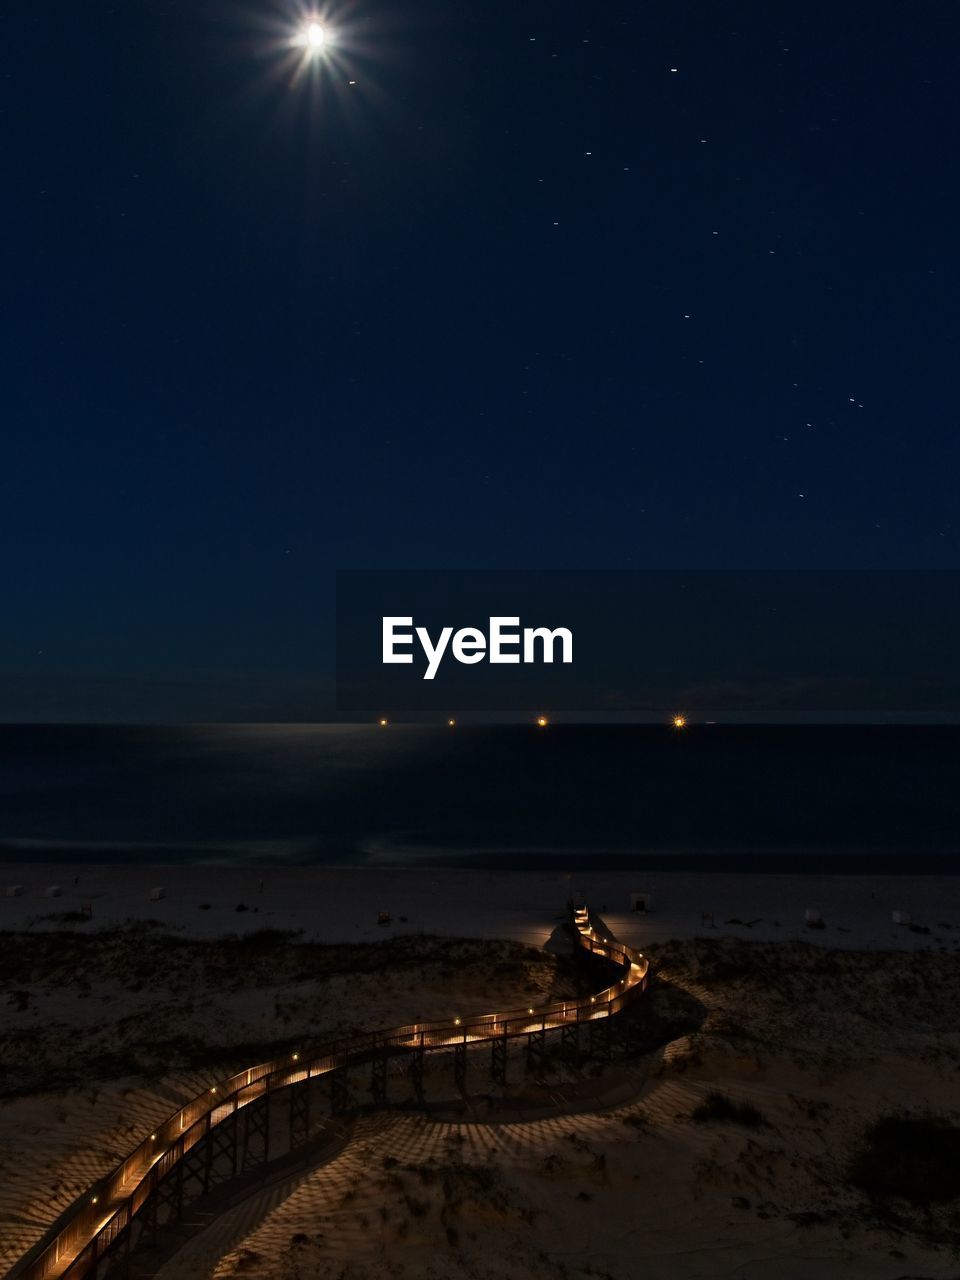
column 901, row 917
column 14, row 890
column 813, row 917
column 641, row 900
column 156, row 895
column 53, row 891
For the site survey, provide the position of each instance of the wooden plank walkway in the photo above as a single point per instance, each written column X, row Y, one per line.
column 94, row 1224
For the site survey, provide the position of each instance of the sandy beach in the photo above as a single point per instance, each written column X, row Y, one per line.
column 342, row 904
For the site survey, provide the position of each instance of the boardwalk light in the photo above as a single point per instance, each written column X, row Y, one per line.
column 153, row 1137
column 95, row 1199
column 679, row 722
column 451, row 723
column 383, row 724
column 456, row 1022
column 542, row 722
column 214, row 1089
column 296, row 1057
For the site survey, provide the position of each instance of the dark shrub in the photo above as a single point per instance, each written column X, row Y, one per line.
column 915, row 1158
column 717, row 1106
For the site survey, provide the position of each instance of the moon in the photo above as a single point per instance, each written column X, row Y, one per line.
column 316, row 37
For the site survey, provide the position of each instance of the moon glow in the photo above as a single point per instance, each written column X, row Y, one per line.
column 316, row 36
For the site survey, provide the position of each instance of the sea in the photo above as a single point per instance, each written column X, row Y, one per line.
column 707, row 797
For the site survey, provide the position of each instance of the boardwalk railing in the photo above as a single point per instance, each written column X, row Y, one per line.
column 92, row 1226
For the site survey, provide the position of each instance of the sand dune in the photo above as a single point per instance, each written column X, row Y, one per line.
column 646, row 1188
column 818, row 1031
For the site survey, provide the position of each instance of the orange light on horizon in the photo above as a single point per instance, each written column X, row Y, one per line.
column 679, row 722
column 451, row 723
column 542, row 722
column 383, row 724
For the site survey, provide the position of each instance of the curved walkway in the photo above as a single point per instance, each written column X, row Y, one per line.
column 86, row 1232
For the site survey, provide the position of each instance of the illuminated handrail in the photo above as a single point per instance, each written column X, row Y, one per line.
column 95, row 1221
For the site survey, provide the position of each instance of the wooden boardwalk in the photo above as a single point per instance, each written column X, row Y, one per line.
column 231, row 1131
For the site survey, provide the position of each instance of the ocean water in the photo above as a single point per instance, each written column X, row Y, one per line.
column 723, row 797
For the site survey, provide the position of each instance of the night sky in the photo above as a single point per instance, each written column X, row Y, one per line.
column 482, row 285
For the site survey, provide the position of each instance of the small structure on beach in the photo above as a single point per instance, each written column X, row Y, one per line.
column 14, row 890
column 902, row 917
column 813, row 918
column 53, row 891
column 641, row 900
column 157, row 894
